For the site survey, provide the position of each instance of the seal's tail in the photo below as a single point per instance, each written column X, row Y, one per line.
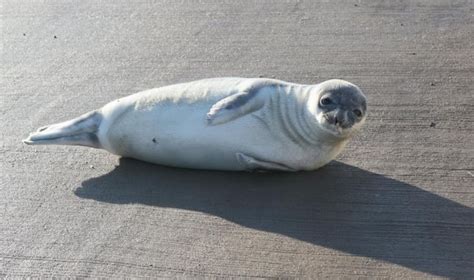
column 79, row 131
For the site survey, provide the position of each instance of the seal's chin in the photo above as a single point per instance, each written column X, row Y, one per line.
column 337, row 130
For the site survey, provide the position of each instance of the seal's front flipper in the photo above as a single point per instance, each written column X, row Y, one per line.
column 252, row 164
column 236, row 105
column 80, row 131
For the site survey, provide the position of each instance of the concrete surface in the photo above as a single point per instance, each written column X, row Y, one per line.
column 397, row 204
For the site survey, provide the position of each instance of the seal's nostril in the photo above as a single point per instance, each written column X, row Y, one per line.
column 335, row 120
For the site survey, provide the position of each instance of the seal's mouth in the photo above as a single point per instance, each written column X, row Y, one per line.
column 338, row 130
column 338, row 126
column 340, row 123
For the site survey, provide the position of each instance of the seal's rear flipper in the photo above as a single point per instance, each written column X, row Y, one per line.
column 79, row 131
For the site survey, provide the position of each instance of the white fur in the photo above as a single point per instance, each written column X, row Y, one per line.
column 168, row 126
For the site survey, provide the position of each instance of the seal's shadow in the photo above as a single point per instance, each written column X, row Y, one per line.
column 339, row 206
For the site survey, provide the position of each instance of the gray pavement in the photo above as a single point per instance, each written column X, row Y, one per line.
column 398, row 203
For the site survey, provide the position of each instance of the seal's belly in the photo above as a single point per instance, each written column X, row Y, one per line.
column 178, row 135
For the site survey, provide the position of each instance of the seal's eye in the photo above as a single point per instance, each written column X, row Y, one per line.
column 326, row 101
column 358, row 113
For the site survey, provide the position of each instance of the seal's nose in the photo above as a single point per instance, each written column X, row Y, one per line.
column 339, row 118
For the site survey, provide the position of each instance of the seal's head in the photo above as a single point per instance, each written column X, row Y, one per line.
column 341, row 107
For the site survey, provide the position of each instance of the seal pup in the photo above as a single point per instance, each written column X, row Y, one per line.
column 222, row 124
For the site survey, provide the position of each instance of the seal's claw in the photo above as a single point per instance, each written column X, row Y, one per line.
column 217, row 115
column 210, row 119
